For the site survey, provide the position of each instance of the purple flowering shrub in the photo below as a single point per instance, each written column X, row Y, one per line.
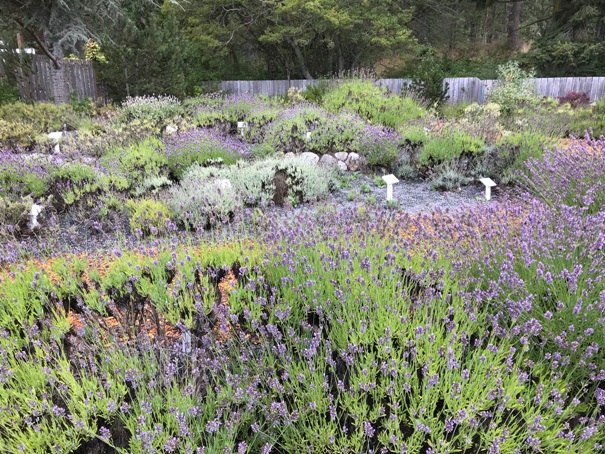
column 204, row 147
column 348, row 330
column 572, row 176
column 379, row 145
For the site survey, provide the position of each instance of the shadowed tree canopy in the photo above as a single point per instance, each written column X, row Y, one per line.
column 61, row 26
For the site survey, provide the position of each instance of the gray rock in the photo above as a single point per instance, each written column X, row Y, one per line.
column 289, row 155
column 171, row 129
column 341, row 156
column 310, row 157
column 328, row 161
column 342, row 166
column 355, row 162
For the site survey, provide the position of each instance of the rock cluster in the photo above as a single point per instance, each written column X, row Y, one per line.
column 344, row 161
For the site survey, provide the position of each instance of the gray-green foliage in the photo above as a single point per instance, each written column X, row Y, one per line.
column 448, row 177
column 515, row 89
column 204, row 197
column 151, row 184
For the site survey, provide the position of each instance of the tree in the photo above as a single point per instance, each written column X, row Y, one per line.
column 62, row 26
column 305, row 38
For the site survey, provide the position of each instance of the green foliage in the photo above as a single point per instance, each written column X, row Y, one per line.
column 21, row 123
column 139, row 160
column 414, row 135
column 211, row 151
column 14, row 214
column 379, row 182
column 316, row 91
column 590, row 119
column 8, row 93
column 202, row 199
column 515, row 88
column 73, row 181
column 42, row 116
column 450, row 145
column 152, row 184
column 448, row 177
column 209, row 195
column 429, row 73
column 22, row 177
column 148, row 216
column 16, row 134
column 289, row 131
column 504, row 162
column 373, row 103
column 157, row 110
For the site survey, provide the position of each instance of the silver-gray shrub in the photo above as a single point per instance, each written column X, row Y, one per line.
column 201, row 200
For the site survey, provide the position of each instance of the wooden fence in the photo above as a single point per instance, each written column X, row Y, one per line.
column 460, row 89
column 36, row 84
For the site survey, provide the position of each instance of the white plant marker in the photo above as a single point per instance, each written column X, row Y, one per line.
column 308, row 136
column 186, row 341
column 33, row 216
column 242, row 125
column 390, row 180
column 489, row 184
column 56, row 135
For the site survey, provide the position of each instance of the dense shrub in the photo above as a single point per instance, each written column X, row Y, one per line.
column 72, row 181
column 574, row 176
column 202, row 199
column 575, row 99
column 138, row 161
column 21, row 124
column 208, row 195
column 202, row 146
column 380, row 146
column 158, row 111
column 505, row 161
column 449, row 145
column 515, row 88
column 447, row 176
column 148, row 217
column 288, row 132
column 373, row 103
column 23, row 175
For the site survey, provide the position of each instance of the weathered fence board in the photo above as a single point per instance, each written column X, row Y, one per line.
column 36, row 83
column 461, row 89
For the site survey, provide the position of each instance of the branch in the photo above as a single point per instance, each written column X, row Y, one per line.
column 45, row 49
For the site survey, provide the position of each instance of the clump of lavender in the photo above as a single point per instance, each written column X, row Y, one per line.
column 574, row 176
column 379, row 145
column 204, row 147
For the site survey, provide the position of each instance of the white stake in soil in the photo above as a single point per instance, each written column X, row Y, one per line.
column 489, row 184
column 390, row 180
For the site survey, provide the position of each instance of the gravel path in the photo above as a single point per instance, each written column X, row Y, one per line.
column 411, row 196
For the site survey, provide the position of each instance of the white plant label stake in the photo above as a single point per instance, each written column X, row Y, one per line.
column 390, row 180
column 56, row 136
column 308, row 136
column 242, row 125
column 489, row 184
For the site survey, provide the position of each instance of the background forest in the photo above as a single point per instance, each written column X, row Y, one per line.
column 175, row 47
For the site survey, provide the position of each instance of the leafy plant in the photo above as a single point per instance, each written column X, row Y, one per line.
column 449, row 145
column 148, row 217
column 373, row 103
column 515, row 88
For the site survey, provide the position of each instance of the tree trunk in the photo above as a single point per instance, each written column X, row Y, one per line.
column 514, row 24
column 60, row 90
column 301, row 60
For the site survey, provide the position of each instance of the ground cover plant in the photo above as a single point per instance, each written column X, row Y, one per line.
column 236, row 309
